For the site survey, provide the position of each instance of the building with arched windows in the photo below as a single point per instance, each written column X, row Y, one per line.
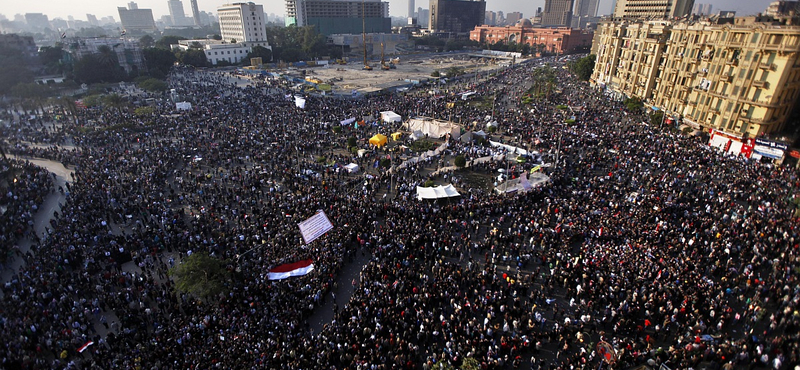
column 558, row 40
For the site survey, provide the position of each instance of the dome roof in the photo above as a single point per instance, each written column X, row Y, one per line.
column 525, row 22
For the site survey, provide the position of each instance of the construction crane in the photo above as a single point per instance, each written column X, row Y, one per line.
column 364, row 33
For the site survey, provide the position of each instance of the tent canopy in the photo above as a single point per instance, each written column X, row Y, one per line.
column 433, row 127
column 378, row 140
column 389, row 117
column 352, row 167
column 437, row 192
column 397, row 136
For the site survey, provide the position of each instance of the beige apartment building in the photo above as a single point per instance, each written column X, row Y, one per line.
column 741, row 77
column 652, row 9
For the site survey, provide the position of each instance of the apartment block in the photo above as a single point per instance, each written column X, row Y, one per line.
column 741, row 78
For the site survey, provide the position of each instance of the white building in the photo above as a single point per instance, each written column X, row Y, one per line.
column 243, row 22
column 219, row 50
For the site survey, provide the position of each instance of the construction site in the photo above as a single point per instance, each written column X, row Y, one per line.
column 351, row 77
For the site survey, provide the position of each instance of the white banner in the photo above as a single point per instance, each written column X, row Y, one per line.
column 299, row 102
column 315, row 226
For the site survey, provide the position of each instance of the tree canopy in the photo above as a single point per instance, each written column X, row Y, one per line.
column 201, row 275
column 165, row 41
column 14, row 68
column 260, row 52
column 583, row 67
column 292, row 44
column 193, row 57
column 159, row 61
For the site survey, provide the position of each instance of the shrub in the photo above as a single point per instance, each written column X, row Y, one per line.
column 460, row 161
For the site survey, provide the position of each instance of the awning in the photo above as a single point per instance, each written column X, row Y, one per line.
column 437, row 192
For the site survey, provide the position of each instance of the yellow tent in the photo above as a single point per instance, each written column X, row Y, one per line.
column 378, row 140
column 397, row 136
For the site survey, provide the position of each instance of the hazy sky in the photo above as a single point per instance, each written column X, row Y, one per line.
column 101, row 8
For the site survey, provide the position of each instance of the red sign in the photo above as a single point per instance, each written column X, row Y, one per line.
column 794, row 154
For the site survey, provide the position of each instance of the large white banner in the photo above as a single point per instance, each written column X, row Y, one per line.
column 299, row 102
column 315, row 226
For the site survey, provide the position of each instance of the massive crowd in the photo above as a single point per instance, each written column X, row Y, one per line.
column 644, row 238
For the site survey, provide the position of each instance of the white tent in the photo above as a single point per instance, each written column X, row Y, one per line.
column 299, row 102
column 351, row 168
column 389, row 117
column 183, row 105
column 437, row 192
column 416, row 135
column 433, row 127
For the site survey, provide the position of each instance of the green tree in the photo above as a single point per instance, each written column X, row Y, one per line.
column 153, row 85
column 454, row 71
column 470, row 363
column 13, row 68
column 435, row 74
column 67, row 103
column 544, row 82
column 633, row 104
column 98, row 67
column 51, row 56
column 352, row 142
column 260, row 52
column 193, row 57
column 144, row 111
column 386, row 162
column 313, row 43
column 159, row 61
column 114, row 101
column 201, row 275
column 460, row 161
column 32, row 95
column 107, row 56
column 656, row 117
column 165, row 41
column 583, row 67
column 146, row 41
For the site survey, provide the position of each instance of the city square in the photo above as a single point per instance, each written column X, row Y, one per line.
column 467, row 209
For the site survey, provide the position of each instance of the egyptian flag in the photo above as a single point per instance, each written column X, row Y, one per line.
column 85, row 346
column 288, row 270
column 64, row 35
column 123, row 33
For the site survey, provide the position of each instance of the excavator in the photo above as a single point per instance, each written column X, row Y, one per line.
column 384, row 66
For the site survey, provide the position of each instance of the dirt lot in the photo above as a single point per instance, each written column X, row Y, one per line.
column 346, row 78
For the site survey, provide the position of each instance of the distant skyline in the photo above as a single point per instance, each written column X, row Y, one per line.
column 397, row 8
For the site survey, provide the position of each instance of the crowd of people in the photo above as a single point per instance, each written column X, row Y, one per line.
column 23, row 187
column 645, row 239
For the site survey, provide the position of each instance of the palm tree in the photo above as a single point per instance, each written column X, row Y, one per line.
column 115, row 101
column 68, row 105
column 106, row 56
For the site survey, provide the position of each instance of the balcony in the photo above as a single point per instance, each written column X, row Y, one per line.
column 726, row 78
column 732, row 62
column 701, row 73
column 761, row 84
column 766, row 66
